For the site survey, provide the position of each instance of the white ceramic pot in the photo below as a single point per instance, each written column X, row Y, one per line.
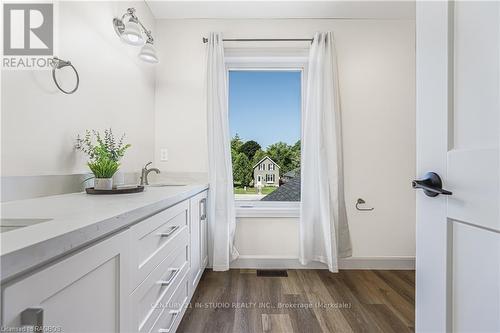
column 103, row 183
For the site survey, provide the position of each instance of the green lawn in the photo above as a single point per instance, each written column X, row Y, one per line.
column 253, row 190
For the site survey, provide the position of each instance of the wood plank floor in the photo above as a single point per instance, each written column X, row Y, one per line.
column 306, row 301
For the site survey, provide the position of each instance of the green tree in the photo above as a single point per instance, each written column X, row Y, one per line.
column 249, row 148
column 259, row 154
column 296, row 155
column 236, row 144
column 242, row 170
column 282, row 154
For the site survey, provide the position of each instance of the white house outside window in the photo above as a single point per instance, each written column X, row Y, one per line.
column 265, row 105
column 265, row 119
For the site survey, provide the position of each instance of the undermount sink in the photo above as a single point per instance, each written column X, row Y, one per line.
column 8, row 224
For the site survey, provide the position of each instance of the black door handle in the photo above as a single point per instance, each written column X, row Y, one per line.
column 431, row 184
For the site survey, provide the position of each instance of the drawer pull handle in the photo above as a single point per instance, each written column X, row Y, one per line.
column 170, row 231
column 32, row 317
column 174, row 314
column 174, row 271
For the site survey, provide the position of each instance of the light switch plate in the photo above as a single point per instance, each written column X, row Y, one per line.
column 164, row 154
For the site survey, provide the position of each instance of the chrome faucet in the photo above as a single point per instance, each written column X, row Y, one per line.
column 145, row 172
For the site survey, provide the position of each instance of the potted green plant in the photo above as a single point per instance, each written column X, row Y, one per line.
column 104, row 154
column 103, row 170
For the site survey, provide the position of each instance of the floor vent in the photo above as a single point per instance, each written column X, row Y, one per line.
column 272, row 273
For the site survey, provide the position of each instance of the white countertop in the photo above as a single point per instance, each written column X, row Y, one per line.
column 77, row 219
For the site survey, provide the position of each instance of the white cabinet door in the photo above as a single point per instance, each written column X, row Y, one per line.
column 198, row 238
column 86, row 292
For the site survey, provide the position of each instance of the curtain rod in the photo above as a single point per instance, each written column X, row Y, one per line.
column 205, row 40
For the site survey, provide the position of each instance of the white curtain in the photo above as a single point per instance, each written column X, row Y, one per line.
column 324, row 233
column 222, row 220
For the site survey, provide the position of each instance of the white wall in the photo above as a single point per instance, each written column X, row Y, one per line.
column 377, row 74
column 40, row 124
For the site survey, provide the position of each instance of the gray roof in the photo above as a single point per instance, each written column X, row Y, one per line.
column 264, row 159
column 292, row 173
column 290, row 191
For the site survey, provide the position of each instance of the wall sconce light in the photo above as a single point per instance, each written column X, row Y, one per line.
column 128, row 28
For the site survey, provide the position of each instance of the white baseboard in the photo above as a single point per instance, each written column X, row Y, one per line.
column 273, row 262
column 402, row 263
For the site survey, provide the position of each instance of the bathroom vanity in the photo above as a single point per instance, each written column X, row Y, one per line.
column 118, row 263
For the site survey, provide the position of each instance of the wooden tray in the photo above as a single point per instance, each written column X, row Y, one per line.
column 125, row 190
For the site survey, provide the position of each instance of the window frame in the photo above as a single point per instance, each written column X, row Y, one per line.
column 273, row 60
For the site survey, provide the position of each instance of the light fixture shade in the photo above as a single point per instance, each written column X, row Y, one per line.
column 148, row 53
column 132, row 33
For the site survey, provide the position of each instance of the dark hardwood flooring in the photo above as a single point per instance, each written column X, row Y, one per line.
column 306, row 301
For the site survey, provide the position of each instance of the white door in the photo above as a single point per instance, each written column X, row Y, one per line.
column 458, row 126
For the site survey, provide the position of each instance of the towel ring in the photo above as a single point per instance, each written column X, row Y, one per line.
column 58, row 64
column 362, row 202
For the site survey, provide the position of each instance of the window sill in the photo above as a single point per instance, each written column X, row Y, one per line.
column 267, row 209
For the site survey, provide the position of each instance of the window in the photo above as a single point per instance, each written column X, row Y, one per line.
column 265, row 117
column 270, row 178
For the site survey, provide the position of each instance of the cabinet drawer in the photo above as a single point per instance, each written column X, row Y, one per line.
column 152, row 239
column 173, row 310
column 160, row 284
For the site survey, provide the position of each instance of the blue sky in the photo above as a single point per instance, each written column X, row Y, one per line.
column 265, row 106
